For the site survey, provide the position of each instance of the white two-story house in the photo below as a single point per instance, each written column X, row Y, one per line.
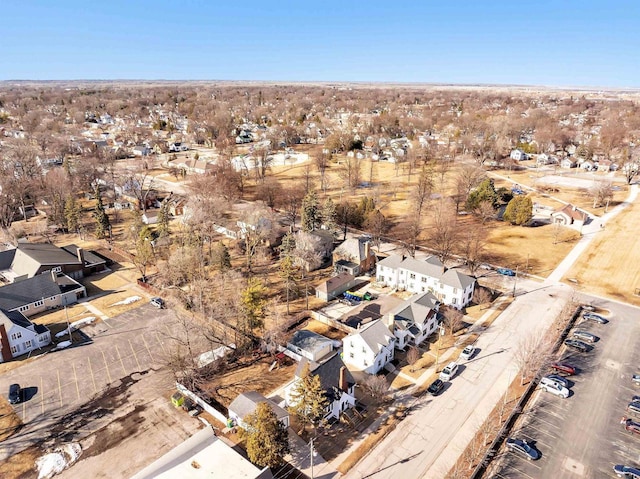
column 449, row 286
column 370, row 348
column 20, row 336
column 414, row 320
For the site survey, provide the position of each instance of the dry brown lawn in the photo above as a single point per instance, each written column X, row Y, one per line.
column 107, row 304
column 73, row 313
column 611, row 264
column 9, row 420
column 21, row 465
column 325, row 330
column 538, row 248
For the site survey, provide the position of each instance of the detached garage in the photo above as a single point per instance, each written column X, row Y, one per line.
column 335, row 286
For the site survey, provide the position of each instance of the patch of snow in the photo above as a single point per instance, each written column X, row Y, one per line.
column 62, row 345
column 129, row 300
column 75, row 325
column 57, row 461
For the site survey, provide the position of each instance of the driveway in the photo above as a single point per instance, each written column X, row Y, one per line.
column 428, row 442
column 60, row 383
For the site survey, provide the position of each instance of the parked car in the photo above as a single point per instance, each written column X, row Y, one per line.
column 563, row 368
column 468, row 352
column 576, row 344
column 627, row 472
column 630, row 425
column 554, row 388
column 435, row 387
column 595, row 317
column 486, row 267
column 523, row 448
column 15, row 394
column 552, row 381
column 449, row 371
column 157, row 302
column 506, row 271
column 585, row 336
column 588, row 307
column 558, row 379
column 636, row 379
column 634, row 407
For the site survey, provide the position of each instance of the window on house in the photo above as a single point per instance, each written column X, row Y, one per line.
column 364, row 350
column 17, row 335
column 351, row 355
column 351, row 343
column 27, row 344
column 38, row 303
column 455, row 290
column 14, row 349
column 422, row 289
column 23, row 308
column 423, row 279
column 412, row 276
column 366, row 363
column 42, row 338
column 454, row 301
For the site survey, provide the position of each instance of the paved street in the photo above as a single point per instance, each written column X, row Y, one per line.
column 428, row 442
column 582, row 436
column 59, row 383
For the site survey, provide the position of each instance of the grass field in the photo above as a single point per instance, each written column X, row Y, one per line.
column 611, row 264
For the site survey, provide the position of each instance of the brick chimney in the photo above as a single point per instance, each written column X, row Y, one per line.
column 80, row 253
column 344, row 386
column 5, row 348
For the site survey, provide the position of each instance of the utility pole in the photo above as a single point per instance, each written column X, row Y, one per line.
column 68, row 324
column 312, row 451
column 515, row 282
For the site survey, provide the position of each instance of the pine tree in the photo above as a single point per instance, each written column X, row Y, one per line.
column 310, row 216
column 72, row 213
column 253, row 298
column 288, row 245
column 103, row 224
column 519, row 210
column 267, row 439
column 329, row 215
column 163, row 219
column 308, row 398
column 221, row 258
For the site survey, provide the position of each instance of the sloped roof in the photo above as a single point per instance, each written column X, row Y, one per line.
column 9, row 318
column 30, row 256
column 335, row 282
column 90, row 258
column 329, row 373
column 376, row 335
column 308, row 340
column 393, row 261
column 456, row 279
column 247, row 402
column 355, row 248
column 572, row 212
column 418, row 309
column 430, row 266
column 24, row 292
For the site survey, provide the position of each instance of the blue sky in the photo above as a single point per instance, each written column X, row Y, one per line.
column 558, row 43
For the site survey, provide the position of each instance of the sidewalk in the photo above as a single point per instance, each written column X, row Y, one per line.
column 406, row 398
column 300, row 457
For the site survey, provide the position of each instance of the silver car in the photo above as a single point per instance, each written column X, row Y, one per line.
column 585, row 336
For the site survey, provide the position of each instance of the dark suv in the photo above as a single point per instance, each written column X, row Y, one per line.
column 576, row 344
column 436, row 387
column 15, row 394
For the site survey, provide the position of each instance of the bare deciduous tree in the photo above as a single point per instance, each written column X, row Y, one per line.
column 532, row 354
column 413, row 355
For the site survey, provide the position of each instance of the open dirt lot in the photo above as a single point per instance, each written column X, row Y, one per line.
column 611, row 264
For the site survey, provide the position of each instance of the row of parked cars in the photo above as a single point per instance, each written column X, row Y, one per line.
column 450, row 370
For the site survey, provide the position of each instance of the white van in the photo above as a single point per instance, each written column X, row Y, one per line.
column 449, row 371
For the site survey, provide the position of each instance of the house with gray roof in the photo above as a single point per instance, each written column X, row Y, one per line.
column 247, row 402
column 310, row 345
column 336, row 380
column 333, row 287
column 370, row 348
column 354, row 256
column 20, row 336
column 414, row 320
column 40, row 293
column 449, row 286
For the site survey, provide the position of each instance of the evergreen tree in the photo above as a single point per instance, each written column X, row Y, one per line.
column 267, row 439
column 221, row 258
column 329, row 215
column 102, row 219
column 308, row 398
column 486, row 191
column 519, row 211
column 311, row 215
column 253, row 298
column 288, row 276
column 163, row 219
column 288, row 245
column 72, row 213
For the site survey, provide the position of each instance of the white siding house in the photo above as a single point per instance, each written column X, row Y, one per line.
column 429, row 275
column 20, row 336
column 518, row 155
column 414, row 320
column 370, row 348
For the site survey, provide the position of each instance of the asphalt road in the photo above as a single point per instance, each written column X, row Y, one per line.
column 581, row 436
column 58, row 384
column 428, row 442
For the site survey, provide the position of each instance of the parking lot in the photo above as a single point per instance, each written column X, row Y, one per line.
column 59, row 383
column 581, row 436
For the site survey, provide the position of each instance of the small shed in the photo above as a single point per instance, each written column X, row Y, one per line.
column 246, row 403
column 310, row 345
column 335, row 286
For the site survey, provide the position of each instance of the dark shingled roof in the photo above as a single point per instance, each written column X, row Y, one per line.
column 329, row 372
column 308, row 340
column 89, row 257
column 24, row 292
column 15, row 317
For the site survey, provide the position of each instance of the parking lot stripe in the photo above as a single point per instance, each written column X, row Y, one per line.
column 121, row 361
column 135, row 355
column 93, row 379
column 59, row 386
column 147, row 346
column 160, row 341
column 106, row 366
column 75, row 375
